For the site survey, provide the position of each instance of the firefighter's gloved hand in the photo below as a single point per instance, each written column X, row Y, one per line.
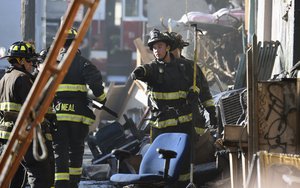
column 212, row 115
column 102, row 98
column 138, row 73
column 192, row 97
column 103, row 101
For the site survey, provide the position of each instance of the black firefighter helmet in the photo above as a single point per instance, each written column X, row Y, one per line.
column 21, row 49
column 178, row 41
column 157, row 36
column 72, row 33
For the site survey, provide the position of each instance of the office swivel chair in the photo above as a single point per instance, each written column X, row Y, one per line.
column 160, row 165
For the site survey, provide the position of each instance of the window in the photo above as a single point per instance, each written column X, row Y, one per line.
column 133, row 10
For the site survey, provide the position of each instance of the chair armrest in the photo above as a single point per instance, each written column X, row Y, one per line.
column 166, row 154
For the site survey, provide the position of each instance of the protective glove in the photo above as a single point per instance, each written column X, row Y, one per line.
column 103, row 102
column 102, row 99
column 192, row 97
column 138, row 73
column 212, row 115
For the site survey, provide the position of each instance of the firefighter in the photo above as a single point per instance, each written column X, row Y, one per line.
column 50, row 117
column 14, row 88
column 73, row 115
column 170, row 85
column 205, row 97
column 178, row 44
column 204, row 138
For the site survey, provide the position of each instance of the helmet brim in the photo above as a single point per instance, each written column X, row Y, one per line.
column 13, row 56
column 151, row 43
column 6, row 56
column 185, row 44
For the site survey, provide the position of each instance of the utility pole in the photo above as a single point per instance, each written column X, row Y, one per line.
column 28, row 20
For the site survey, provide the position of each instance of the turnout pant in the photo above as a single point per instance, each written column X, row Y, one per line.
column 39, row 173
column 68, row 145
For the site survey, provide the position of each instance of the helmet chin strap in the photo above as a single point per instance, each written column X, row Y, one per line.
column 162, row 59
column 20, row 61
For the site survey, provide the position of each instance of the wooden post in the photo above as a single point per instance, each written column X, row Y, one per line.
column 249, row 104
column 28, row 20
column 254, row 99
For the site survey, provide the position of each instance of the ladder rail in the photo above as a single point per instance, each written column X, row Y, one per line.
column 43, row 90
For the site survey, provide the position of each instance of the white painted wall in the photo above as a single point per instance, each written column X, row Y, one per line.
column 271, row 26
column 283, row 31
column 264, row 20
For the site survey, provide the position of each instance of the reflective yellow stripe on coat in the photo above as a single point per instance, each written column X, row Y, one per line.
column 102, row 97
column 72, row 87
column 10, row 106
column 169, row 96
column 62, row 176
column 4, row 135
column 172, row 122
column 75, row 118
column 75, row 171
column 208, row 103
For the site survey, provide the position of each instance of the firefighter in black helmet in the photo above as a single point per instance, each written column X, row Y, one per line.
column 169, row 81
column 14, row 88
column 178, row 44
column 205, row 98
column 73, row 115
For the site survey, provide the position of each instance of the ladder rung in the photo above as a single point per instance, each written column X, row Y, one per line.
column 88, row 2
column 53, row 69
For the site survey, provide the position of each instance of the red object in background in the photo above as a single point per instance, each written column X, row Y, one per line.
column 98, row 33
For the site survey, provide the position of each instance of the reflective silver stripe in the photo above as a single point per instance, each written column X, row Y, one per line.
column 208, row 103
column 72, row 87
column 172, row 122
column 75, row 118
column 10, row 106
column 75, row 171
column 169, row 95
column 62, row 176
column 4, row 135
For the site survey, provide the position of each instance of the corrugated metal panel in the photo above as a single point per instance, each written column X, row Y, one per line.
column 267, row 51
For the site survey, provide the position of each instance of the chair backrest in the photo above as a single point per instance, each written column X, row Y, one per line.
column 110, row 137
column 178, row 142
